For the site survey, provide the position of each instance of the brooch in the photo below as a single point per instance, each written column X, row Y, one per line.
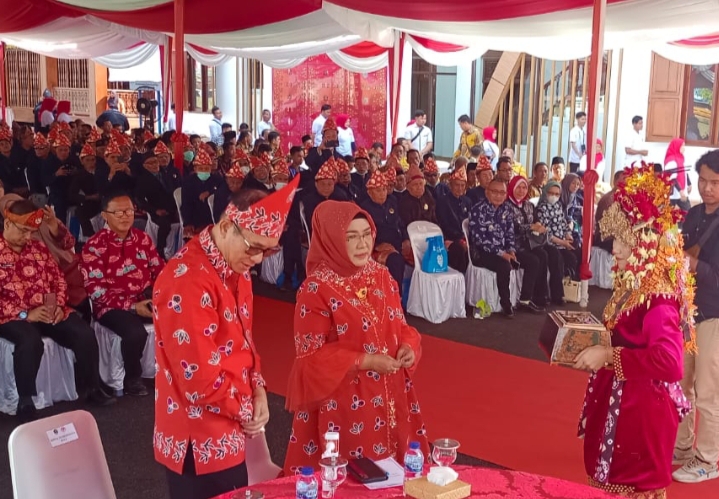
column 426, row 206
column 361, row 293
column 391, row 211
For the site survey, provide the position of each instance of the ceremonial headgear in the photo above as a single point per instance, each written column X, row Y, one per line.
column 235, row 172
column 459, row 174
column 430, row 166
column 87, row 150
column 361, row 153
column 5, row 133
column 94, row 136
column 281, row 169
column 329, row 124
column 113, row 149
column 161, row 148
column 40, row 141
column 328, row 170
column 202, row 158
column 32, row 219
column 376, row 180
column 414, row 173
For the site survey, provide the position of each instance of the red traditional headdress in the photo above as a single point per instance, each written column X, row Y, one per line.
column 328, row 170
column 376, row 180
column 361, row 153
column 5, row 133
column 241, row 156
column 235, row 172
column 342, row 166
column 94, row 136
column 430, row 166
column 113, row 149
column 483, row 164
column 41, row 141
column 266, row 217
column 202, row 158
column 459, row 174
column 87, row 150
column 281, row 168
column 32, row 219
column 62, row 140
column 181, row 138
column 161, row 148
column 390, row 175
column 147, row 136
column 414, row 173
column 329, row 125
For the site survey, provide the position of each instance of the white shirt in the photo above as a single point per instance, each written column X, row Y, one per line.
column 9, row 116
column 346, row 136
column 46, row 118
column 674, row 177
column 317, row 126
column 171, row 120
column 262, row 126
column 600, row 167
column 424, row 137
column 578, row 136
column 491, row 150
column 634, row 141
column 216, row 131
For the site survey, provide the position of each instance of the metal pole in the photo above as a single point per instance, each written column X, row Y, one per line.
column 591, row 178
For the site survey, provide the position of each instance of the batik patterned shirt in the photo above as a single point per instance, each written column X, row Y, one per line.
column 491, row 228
column 26, row 277
column 554, row 218
column 117, row 271
column 207, row 365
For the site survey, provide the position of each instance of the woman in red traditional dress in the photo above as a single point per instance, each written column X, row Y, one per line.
column 634, row 402
column 355, row 351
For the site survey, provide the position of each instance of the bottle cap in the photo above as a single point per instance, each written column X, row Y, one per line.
column 414, row 445
column 308, row 471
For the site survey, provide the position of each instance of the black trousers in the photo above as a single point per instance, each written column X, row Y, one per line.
column 189, row 485
column 131, row 328
column 555, row 266
column 499, row 266
column 395, row 265
column 571, row 262
column 85, row 213
column 164, row 226
column 458, row 256
column 291, row 242
column 72, row 333
column 534, row 281
column 573, row 167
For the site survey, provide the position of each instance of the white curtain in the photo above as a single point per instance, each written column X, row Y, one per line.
column 113, row 5
column 132, row 58
column 207, row 59
column 683, row 54
column 148, row 69
column 140, row 34
column 359, row 64
column 457, row 58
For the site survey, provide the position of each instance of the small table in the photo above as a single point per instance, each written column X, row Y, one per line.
column 487, row 483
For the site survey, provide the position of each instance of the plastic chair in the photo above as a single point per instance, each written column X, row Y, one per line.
column 434, row 297
column 260, row 467
column 55, row 380
column 174, row 238
column 211, row 203
column 272, row 268
column 304, row 222
column 76, row 468
column 482, row 283
column 601, row 263
column 178, row 201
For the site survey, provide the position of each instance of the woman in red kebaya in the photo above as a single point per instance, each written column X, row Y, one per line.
column 355, row 351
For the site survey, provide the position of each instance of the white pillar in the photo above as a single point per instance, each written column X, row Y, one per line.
column 463, row 95
column 226, row 87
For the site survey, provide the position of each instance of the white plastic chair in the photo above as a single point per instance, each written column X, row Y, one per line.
column 601, row 263
column 482, row 283
column 112, row 365
column 211, row 203
column 76, row 468
column 272, row 268
column 260, row 467
column 174, row 238
column 178, row 201
column 434, row 297
column 55, row 380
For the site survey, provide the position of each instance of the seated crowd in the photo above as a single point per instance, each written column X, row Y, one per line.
column 118, row 185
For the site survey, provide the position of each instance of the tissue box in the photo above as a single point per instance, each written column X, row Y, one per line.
column 420, row 488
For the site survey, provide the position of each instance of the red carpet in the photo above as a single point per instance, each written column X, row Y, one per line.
column 511, row 411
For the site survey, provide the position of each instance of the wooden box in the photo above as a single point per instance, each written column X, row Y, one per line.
column 421, row 488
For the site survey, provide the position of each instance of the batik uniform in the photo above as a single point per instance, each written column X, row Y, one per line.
column 207, row 365
column 26, row 277
column 337, row 320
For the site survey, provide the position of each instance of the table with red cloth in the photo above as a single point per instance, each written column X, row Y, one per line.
column 486, row 483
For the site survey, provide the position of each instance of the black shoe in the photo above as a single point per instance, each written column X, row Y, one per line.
column 560, row 303
column 529, row 306
column 508, row 312
column 99, row 398
column 136, row 388
column 26, row 413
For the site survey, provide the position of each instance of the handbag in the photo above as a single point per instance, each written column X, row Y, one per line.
column 572, row 290
column 435, row 258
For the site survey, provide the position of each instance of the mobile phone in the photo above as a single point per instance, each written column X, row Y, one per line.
column 49, row 300
column 332, row 143
column 364, row 470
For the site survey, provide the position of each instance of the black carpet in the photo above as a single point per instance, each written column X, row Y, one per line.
column 126, row 427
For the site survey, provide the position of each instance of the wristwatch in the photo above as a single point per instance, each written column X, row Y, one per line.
column 22, row 315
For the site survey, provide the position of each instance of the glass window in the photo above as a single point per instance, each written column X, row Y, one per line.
column 700, row 104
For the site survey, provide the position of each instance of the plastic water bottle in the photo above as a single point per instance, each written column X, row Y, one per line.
column 413, row 462
column 306, row 487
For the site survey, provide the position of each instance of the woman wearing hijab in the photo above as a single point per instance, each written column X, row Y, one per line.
column 572, row 199
column 355, row 353
column 674, row 166
column 551, row 214
column 61, row 244
column 491, row 149
column 634, row 402
column 532, row 244
column 345, row 135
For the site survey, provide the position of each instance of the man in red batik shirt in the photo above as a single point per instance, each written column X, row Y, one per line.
column 210, row 393
column 120, row 265
column 33, row 304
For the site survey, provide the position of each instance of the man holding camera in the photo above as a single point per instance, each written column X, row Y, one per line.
column 327, row 149
column 120, row 265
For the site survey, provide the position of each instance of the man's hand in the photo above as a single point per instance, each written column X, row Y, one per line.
column 261, row 414
column 50, row 219
column 507, row 256
column 204, row 195
column 143, row 308
column 62, row 172
column 692, row 262
column 405, row 355
column 40, row 314
column 161, row 213
column 59, row 315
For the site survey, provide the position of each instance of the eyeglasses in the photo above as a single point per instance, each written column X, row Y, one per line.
column 254, row 250
column 496, row 192
column 354, row 239
column 122, row 213
column 26, row 231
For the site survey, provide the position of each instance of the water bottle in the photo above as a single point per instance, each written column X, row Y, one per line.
column 306, row 487
column 413, row 462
